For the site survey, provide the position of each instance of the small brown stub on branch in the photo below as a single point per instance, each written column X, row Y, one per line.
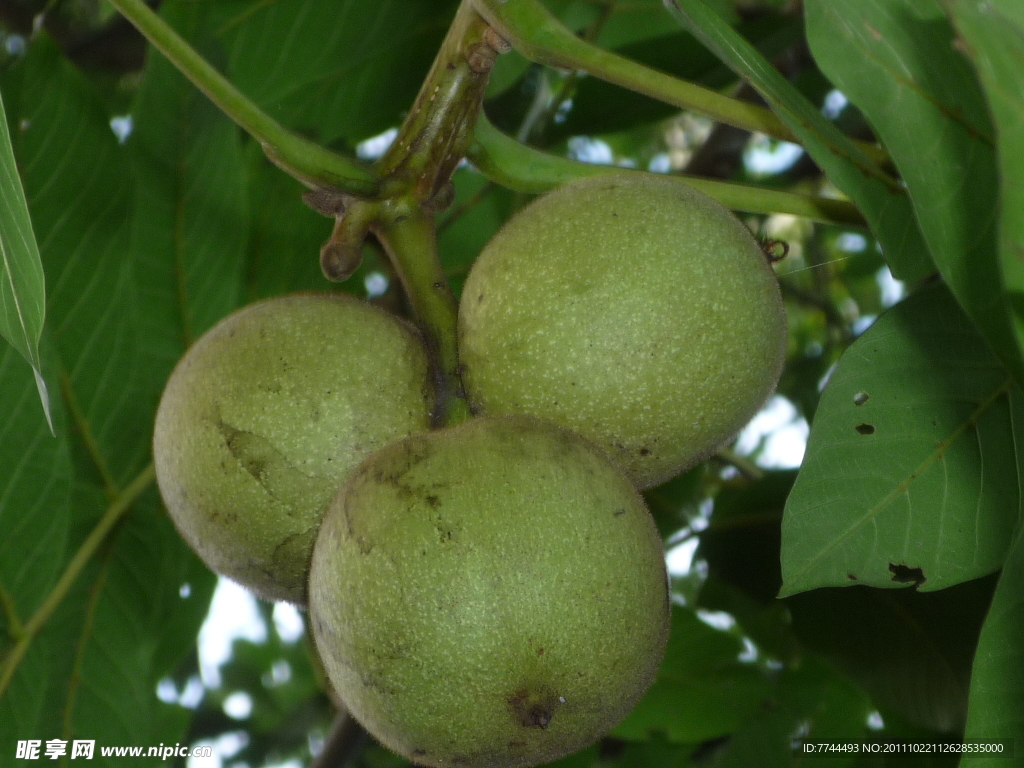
column 338, row 261
column 326, row 202
column 481, row 58
column 443, row 197
column 496, row 41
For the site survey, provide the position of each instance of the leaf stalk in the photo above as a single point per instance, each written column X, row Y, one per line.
column 516, row 166
column 539, row 36
column 305, row 160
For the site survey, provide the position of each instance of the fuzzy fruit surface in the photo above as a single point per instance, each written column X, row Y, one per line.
column 631, row 309
column 492, row 594
column 267, row 414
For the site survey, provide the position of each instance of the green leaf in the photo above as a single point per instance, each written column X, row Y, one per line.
column 883, row 202
column 77, row 184
column 344, row 70
column 996, row 705
column 702, row 690
column 22, row 288
column 138, row 627
column 994, row 39
column 124, row 623
column 190, row 226
column 910, row 471
column 896, row 61
column 35, row 505
column 742, row 542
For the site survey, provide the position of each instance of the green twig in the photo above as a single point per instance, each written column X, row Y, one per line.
column 524, row 169
column 746, row 467
column 416, row 180
column 542, row 38
column 306, row 161
column 543, row 121
column 791, row 105
column 411, row 243
column 92, row 542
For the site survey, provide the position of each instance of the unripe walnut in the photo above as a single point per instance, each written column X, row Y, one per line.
column 266, row 415
column 489, row 595
column 631, row 309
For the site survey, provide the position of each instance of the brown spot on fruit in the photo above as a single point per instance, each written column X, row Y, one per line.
column 532, row 710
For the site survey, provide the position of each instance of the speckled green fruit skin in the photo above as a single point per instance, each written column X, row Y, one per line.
column 265, row 417
column 493, row 594
column 631, row 309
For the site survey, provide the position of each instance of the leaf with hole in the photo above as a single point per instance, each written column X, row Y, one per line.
column 909, row 476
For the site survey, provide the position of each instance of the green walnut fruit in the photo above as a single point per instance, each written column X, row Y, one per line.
column 492, row 594
column 264, row 418
column 631, row 309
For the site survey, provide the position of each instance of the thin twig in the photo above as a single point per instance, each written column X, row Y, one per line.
column 746, row 467
column 343, row 742
column 539, row 36
column 525, row 169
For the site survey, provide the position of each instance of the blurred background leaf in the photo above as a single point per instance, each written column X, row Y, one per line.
column 997, row 687
column 341, row 71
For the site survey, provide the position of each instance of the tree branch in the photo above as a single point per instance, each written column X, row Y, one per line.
column 342, row 743
column 745, row 466
column 305, row 160
column 542, row 38
column 524, row 169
